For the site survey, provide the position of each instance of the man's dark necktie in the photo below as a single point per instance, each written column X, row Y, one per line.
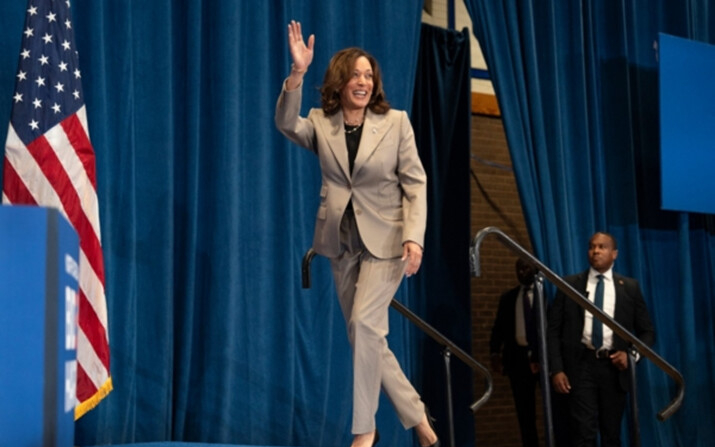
column 597, row 330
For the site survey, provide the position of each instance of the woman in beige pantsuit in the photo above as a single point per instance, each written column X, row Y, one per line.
column 371, row 219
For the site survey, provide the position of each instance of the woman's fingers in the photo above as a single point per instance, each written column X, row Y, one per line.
column 302, row 54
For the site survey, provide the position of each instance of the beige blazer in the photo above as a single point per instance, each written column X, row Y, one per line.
column 388, row 186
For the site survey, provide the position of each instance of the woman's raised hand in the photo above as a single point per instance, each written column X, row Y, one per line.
column 302, row 55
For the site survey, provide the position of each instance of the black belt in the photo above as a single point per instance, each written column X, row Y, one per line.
column 601, row 353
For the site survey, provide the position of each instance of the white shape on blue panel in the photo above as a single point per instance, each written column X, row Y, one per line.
column 70, row 319
column 70, row 385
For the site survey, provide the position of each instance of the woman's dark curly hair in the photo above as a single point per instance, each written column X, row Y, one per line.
column 338, row 74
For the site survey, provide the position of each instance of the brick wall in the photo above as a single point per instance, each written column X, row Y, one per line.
column 494, row 202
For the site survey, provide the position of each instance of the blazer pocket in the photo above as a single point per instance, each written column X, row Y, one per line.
column 393, row 214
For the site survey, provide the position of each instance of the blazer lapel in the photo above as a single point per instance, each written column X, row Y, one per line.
column 373, row 131
column 335, row 136
column 620, row 297
column 581, row 287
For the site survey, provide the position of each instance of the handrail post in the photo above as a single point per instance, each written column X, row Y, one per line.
column 635, row 425
column 447, row 354
column 543, row 360
column 305, row 268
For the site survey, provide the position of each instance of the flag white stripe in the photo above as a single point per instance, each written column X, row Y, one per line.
column 57, row 138
column 91, row 364
column 82, row 116
column 29, row 171
column 93, row 288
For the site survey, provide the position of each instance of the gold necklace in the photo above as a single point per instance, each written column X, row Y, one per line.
column 353, row 130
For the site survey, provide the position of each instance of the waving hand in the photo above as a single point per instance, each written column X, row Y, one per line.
column 302, row 55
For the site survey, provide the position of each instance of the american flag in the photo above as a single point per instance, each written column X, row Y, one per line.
column 49, row 161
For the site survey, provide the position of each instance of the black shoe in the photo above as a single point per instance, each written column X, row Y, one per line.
column 431, row 421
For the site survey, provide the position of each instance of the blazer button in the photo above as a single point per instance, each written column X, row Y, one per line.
column 358, row 211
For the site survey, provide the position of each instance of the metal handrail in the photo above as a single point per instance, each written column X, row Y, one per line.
column 456, row 350
column 582, row 301
column 433, row 333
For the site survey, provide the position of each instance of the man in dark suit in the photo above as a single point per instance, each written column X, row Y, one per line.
column 514, row 333
column 587, row 361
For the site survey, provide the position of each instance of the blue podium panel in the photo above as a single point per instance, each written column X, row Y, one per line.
column 39, row 255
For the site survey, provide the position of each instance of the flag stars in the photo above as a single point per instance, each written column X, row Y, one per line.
column 29, row 32
column 17, row 97
column 34, row 125
column 77, row 74
column 47, row 38
column 32, row 11
column 21, row 75
column 56, row 107
column 37, row 103
column 66, row 45
column 44, row 60
column 25, row 53
column 40, row 81
column 68, row 24
column 51, row 17
column 75, row 94
column 63, row 66
column 59, row 87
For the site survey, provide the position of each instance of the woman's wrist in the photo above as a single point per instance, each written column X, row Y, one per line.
column 294, row 69
column 294, row 79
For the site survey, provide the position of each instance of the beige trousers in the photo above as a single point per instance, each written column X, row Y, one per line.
column 365, row 287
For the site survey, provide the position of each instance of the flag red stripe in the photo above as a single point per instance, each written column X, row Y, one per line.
column 80, row 142
column 55, row 173
column 13, row 186
column 85, row 387
column 93, row 329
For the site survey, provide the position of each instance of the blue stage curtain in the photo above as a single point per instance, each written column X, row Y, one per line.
column 577, row 84
column 206, row 213
column 441, row 117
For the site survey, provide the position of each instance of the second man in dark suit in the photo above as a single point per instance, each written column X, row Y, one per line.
column 513, row 348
